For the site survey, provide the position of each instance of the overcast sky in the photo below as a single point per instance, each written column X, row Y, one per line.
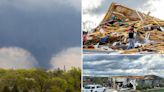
column 123, row 65
column 95, row 10
column 40, row 29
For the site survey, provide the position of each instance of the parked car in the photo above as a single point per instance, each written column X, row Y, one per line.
column 94, row 88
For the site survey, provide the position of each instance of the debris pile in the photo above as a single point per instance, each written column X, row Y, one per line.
column 126, row 31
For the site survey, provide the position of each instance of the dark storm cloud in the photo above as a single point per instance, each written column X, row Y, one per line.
column 123, row 64
column 104, row 62
column 43, row 28
column 107, row 57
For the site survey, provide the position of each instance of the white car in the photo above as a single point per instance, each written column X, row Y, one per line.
column 94, row 88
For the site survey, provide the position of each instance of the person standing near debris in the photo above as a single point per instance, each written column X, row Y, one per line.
column 131, row 37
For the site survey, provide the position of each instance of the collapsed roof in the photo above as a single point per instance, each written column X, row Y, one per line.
column 129, row 14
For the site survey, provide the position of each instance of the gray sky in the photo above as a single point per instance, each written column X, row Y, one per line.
column 123, row 65
column 41, row 27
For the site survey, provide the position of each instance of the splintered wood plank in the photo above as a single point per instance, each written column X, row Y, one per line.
column 109, row 13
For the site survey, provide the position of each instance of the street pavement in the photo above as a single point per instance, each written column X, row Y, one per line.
column 110, row 90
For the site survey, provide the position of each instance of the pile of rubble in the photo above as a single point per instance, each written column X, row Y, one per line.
column 112, row 33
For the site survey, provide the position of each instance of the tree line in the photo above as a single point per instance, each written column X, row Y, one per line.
column 40, row 80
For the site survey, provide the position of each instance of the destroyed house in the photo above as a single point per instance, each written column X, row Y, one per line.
column 134, row 82
column 112, row 31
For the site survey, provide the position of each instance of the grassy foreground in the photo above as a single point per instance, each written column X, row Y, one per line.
column 155, row 90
